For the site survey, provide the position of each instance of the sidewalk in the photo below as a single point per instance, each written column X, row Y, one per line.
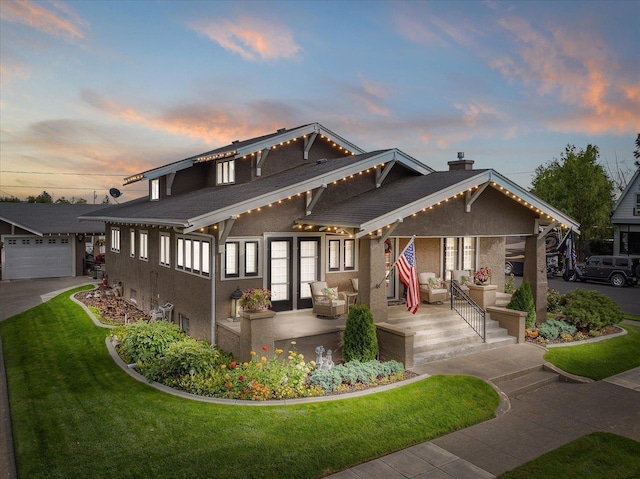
column 526, row 427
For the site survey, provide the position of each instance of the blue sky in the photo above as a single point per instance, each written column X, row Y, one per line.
column 93, row 91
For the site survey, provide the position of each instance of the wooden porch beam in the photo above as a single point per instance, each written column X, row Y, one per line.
column 308, row 142
column 387, row 232
column 262, row 157
column 471, row 197
column 548, row 228
column 170, row 177
column 224, row 228
column 315, row 197
column 381, row 175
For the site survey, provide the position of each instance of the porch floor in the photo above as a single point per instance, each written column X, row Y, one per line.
column 290, row 325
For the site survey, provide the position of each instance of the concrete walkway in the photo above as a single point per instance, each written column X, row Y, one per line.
column 527, row 426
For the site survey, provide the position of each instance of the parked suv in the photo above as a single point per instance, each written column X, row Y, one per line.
column 617, row 270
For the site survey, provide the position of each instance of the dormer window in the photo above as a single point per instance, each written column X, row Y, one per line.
column 155, row 189
column 225, row 172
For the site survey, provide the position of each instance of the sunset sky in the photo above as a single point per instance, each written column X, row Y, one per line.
column 93, row 91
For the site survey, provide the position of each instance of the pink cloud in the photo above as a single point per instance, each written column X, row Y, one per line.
column 578, row 68
column 213, row 126
column 250, row 37
column 45, row 20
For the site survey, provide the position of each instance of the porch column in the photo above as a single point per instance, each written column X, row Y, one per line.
column 535, row 269
column 371, row 271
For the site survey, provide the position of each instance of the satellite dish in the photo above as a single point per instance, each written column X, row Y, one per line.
column 115, row 192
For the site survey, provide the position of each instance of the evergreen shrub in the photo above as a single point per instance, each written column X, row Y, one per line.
column 522, row 300
column 359, row 337
column 588, row 310
column 553, row 328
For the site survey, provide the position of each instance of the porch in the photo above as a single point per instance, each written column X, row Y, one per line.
column 435, row 332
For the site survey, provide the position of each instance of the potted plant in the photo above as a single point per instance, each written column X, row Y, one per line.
column 255, row 299
column 482, row 276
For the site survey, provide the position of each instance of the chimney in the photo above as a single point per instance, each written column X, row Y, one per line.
column 460, row 163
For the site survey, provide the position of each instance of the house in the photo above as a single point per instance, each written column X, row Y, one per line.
column 45, row 240
column 304, row 204
column 626, row 219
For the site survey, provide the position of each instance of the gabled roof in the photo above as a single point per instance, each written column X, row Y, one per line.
column 240, row 149
column 50, row 218
column 621, row 218
column 379, row 208
column 211, row 205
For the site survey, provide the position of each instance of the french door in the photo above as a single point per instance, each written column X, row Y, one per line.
column 308, row 268
column 280, row 272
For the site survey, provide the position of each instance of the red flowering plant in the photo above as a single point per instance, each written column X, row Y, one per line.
column 482, row 275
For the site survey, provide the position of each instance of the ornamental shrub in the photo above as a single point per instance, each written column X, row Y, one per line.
column 359, row 337
column 522, row 300
column 355, row 372
column 553, row 300
column 553, row 328
column 142, row 341
column 588, row 310
column 186, row 356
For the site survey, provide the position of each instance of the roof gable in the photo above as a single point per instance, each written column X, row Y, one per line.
column 242, row 149
column 624, row 211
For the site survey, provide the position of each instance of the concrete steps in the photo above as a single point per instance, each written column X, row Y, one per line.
column 525, row 381
column 442, row 333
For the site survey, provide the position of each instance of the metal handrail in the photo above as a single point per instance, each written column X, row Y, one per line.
column 469, row 310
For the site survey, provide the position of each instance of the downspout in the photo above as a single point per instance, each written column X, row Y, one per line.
column 212, row 278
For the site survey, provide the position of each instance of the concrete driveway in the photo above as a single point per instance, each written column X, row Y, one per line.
column 19, row 295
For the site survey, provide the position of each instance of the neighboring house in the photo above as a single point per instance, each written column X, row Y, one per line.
column 45, row 240
column 304, row 204
column 626, row 219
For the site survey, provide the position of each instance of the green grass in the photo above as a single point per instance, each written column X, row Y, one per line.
column 594, row 456
column 601, row 359
column 75, row 413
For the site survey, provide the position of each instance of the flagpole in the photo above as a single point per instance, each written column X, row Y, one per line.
column 386, row 275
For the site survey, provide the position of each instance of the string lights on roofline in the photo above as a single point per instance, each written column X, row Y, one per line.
column 342, row 230
column 303, row 137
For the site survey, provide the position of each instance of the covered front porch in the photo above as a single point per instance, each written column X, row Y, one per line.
column 435, row 332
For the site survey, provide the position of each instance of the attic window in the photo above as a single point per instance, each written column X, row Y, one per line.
column 225, row 172
column 155, row 189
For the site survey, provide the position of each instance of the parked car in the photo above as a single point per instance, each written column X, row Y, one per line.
column 617, row 270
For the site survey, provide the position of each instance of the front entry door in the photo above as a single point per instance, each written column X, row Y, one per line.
column 279, row 275
column 308, row 268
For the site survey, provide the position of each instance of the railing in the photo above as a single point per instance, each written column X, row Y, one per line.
column 467, row 308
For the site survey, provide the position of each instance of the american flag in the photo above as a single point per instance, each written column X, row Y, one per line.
column 407, row 269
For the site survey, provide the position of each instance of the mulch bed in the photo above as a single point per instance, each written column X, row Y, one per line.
column 114, row 309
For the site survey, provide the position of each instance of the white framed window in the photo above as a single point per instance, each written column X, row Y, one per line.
column 143, row 246
column 115, row 240
column 349, row 254
column 165, row 249
column 132, row 243
column 155, row 189
column 638, row 201
column 341, row 254
column 459, row 254
column 334, row 255
column 241, row 258
column 193, row 255
column 225, row 172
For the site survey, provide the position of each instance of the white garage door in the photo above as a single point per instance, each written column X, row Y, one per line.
column 33, row 257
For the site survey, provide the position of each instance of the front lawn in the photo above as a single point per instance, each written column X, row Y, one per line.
column 601, row 359
column 76, row 414
column 593, row 456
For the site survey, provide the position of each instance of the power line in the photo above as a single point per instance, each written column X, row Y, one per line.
column 63, row 173
column 62, row 188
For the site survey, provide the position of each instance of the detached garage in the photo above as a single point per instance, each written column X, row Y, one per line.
column 42, row 240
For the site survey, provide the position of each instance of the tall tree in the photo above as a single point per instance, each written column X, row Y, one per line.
column 9, row 199
column 578, row 185
column 43, row 197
